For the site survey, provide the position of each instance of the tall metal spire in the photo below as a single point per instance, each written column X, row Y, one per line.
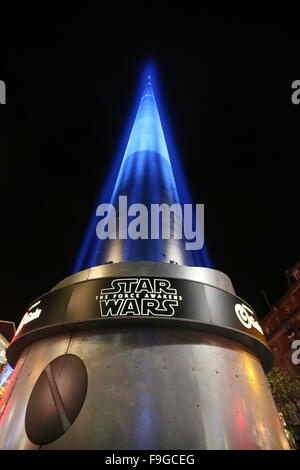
column 145, row 177
column 147, row 133
column 140, row 310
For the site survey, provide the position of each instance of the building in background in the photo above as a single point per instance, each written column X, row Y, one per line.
column 282, row 328
column 3, row 346
column 282, row 324
column 7, row 331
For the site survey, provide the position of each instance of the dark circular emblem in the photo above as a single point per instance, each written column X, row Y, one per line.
column 56, row 399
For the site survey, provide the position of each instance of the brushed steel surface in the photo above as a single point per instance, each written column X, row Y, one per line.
column 12, row 419
column 208, row 276
column 155, row 388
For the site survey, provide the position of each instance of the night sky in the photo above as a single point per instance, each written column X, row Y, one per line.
column 226, row 86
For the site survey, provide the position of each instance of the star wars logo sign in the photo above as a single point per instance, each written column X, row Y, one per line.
column 138, row 296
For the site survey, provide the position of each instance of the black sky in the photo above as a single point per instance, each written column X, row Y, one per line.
column 226, row 82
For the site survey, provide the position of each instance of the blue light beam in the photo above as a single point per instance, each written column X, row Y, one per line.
column 145, row 175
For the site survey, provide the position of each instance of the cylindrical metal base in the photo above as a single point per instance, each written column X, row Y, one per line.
column 191, row 381
column 152, row 388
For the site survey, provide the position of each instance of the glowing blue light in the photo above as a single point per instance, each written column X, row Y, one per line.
column 6, row 374
column 147, row 133
column 147, row 137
